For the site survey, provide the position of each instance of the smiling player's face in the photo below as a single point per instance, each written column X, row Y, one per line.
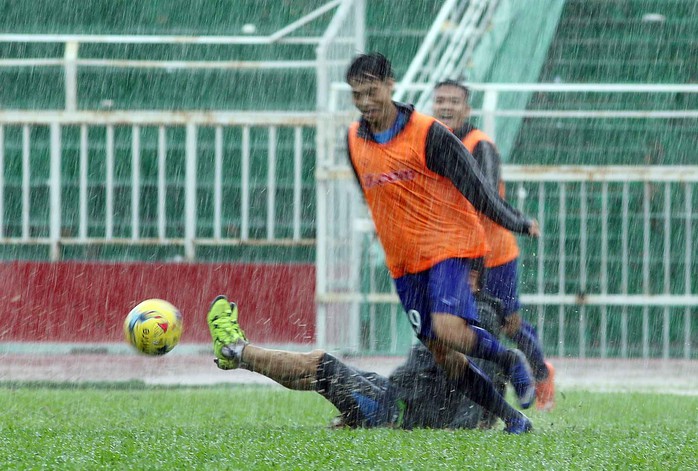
column 451, row 106
column 373, row 98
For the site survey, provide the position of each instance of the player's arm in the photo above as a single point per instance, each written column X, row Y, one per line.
column 447, row 156
column 489, row 161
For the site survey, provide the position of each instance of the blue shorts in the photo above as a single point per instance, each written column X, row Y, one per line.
column 444, row 288
column 502, row 283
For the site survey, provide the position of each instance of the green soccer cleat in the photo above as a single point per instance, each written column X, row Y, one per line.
column 228, row 337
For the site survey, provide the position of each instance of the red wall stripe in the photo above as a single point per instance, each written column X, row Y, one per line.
column 87, row 301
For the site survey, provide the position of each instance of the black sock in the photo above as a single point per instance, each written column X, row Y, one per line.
column 527, row 341
column 489, row 348
column 481, row 391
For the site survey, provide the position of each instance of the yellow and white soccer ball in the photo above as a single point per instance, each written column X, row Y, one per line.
column 154, row 327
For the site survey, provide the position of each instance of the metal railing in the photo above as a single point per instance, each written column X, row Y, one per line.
column 346, row 30
column 587, row 185
column 187, row 179
column 36, row 206
column 447, row 47
column 92, row 144
column 489, row 109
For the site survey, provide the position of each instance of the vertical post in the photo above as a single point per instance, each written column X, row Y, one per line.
column 489, row 107
column 245, row 185
column 322, row 99
column 360, row 25
column 297, row 180
column 604, row 268
column 271, row 184
column 353, row 332
column 667, row 269
column 109, row 223
column 393, row 327
column 26, row 181
column 2, row 181
column 561, row 267
column 190, row 193
column 322, row 79
column 582, row 266
column 372, row 341
column 162, row 183
column 135, row 182
column 84, row 160
column 624, row 269
column 688, row 272
column 71, row 75
column 321, row 227
column 55, row 191
column 218, row 183
column 646, row 227
column 540, row 281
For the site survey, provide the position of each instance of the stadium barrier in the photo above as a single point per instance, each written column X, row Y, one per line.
column 178, row 180
column 86, row 302
column 152, row 178
column 276, row 53
column 612, row 275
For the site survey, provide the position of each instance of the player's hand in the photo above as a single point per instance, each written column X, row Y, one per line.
column 534, row 229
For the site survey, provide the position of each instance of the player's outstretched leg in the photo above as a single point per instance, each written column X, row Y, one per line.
column 228, row 337
column 521, row 378
column 511, row 360
column 527, row 340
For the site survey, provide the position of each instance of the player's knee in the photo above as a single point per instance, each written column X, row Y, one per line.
column 450, row 360
column 315, row 356
column 438, row 352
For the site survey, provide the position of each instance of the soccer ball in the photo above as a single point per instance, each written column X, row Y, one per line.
column 154, row 327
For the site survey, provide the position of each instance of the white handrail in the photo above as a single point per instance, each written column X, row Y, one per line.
column 595, row 173
column 276, row 37
column 567, row 173
column 70, row 60
column 166, row 64
column 425, row 48
column 226, row 118
column 492, row 91
column 150, row 39
column 558, row 87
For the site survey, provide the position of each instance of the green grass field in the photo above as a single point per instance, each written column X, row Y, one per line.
column 131, row 426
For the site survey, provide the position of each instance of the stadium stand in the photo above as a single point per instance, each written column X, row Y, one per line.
column 599, row 41
column 41, row 87
column 596, row 41
column 104, row 88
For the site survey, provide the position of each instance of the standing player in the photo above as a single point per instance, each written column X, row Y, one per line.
column 416, row 395
column 414, row 173
column 451, row 108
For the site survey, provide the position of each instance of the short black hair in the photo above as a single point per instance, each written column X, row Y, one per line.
column 453, row 83
column 373, row 65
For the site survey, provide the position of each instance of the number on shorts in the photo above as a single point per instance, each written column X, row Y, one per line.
column 415, row 319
